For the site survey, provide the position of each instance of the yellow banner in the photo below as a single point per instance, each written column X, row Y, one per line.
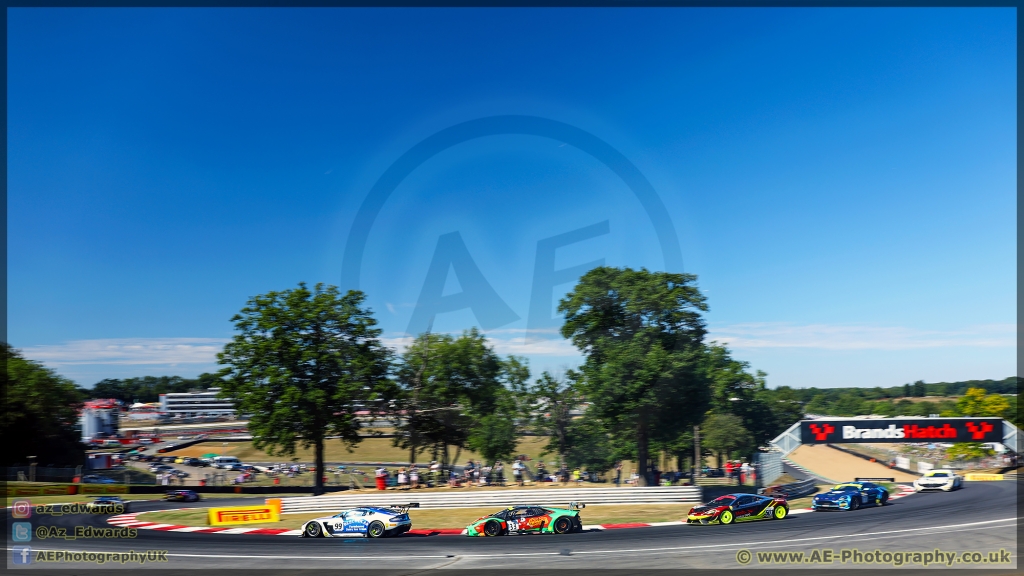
column 242, row 515
column 983, row 477
column 48, row 490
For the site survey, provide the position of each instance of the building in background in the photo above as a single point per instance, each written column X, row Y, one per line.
column 99, row 418
column 196, row 404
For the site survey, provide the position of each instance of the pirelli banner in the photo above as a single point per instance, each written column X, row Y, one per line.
column 242, row 515
column 902, row 430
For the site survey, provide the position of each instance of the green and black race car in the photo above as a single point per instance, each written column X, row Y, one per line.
column 525, row 519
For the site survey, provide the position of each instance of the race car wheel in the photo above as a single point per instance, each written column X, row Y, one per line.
column 376, row 529
column 883, row 499
column 313, row 530
column 562, row 525
column 780, row 512
column 854, row 504
column 726, row 517
column 492, row 528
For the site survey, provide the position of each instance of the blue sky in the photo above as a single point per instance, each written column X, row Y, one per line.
column 842, row 181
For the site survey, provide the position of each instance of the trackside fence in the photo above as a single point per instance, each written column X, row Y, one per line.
column 498, row 498
column 794, row 490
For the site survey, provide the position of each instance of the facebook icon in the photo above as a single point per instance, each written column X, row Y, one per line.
column 22, row 555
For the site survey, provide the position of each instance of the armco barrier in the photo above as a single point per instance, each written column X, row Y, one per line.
column 497, row 498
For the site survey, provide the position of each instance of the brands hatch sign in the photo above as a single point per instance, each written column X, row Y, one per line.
column 902, row 430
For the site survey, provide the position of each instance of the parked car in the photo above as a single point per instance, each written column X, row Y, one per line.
column 157, row 468
column 94, row 479
column 145, row 440
column 179, row 460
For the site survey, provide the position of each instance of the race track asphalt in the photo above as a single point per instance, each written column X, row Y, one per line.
column 980, row 517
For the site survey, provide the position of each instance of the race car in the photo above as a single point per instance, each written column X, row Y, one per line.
column 369, row 521
column 850, row 496
column 739, row 508
column 525, row 519
column 111, row 503
column 181, row 496
column 945, row 480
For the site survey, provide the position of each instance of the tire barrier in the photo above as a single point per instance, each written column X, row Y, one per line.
column 498, row 498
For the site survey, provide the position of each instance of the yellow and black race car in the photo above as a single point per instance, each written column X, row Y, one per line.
column 739, row 508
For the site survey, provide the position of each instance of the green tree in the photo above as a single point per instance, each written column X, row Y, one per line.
column 553, row 399
column 448, row 390
column 968, row 451
column 588, row 446
column 724, row 434
column 39, row 414
column 642, row 335
column 302, row 364
column 975, row 402
column 919, row 389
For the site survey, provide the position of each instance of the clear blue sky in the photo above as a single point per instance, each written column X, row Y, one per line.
column 842, row 181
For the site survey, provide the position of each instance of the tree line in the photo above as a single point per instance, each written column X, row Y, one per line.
column 308, row 364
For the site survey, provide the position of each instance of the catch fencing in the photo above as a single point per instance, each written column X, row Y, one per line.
column 498, row 498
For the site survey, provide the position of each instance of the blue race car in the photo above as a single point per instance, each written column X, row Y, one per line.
column 850, row 496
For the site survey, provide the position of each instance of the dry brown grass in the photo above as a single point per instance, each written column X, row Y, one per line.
column 369, row 450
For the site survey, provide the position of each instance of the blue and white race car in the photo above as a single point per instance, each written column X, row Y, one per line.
column 369, row 521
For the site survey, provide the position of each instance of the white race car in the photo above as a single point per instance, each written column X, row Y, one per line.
column 369, row 521
column 939, row 480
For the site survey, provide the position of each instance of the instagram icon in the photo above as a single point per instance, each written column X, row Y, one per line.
column 21, row 509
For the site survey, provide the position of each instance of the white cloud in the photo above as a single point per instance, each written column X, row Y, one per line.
column 506, row 341
column 129, row 351
column 860, row 337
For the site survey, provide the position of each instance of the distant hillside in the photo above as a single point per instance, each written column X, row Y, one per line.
column 916, row 399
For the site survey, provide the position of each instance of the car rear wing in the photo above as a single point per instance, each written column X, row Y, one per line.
column 577, row 505
column 400, row 508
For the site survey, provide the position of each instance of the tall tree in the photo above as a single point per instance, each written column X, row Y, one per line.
column 642, row 336
column 303, row 364
column 448, row 387
column 553, row 399
column 39, row 414
column 725, row 434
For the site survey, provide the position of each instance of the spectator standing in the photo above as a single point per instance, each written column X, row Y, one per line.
column 381, row 475
column 618, row 474
column 435, row 472
column 414, row 476
column 403, row 479
column 576, row 475
column 542, row 472
column 517, row 472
